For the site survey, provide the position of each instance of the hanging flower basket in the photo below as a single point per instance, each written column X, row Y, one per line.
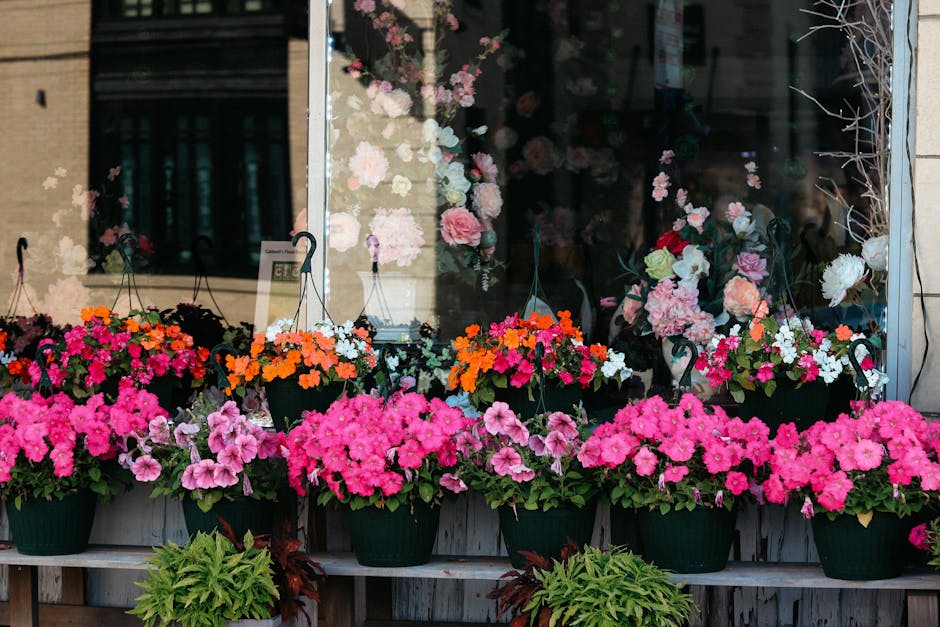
column 403, row 537
column 243, row 514
column 287, row 400
column 53, row 527
column 849, row 550
column 802, row 405
column 545, row 532
column 687, row 541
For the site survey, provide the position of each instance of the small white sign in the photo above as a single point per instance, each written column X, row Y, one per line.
column 279, row 283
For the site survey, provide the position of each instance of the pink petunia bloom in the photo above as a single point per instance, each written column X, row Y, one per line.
column 504, row 460
column 223, row 476
column 203, row 474
column 562, row 422
column 146, row 468
column 231, row 458
column 645, row 461
column 453, row 483
column 518, row 433
column 736, row 482
column 674, row 474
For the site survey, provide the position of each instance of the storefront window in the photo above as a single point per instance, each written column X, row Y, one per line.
column 458, row 129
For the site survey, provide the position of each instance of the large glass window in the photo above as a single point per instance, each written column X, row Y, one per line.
column 564, row 122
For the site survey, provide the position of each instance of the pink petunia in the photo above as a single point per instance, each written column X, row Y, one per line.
column 645, row 461
column 674, row 474
column 504, row 460
column 453, row 483
column 146, row 468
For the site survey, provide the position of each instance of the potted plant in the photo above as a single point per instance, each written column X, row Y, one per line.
column 216, row 461
column 858, row 479
column 506, row 363
column 682, row 468
column 19, row 338
column 208, row 582
column 592, row 586
column 781, row 370
column 303, row 370
column 530, row 473
column 107, row 348
column 386, row 460
column 58, row 457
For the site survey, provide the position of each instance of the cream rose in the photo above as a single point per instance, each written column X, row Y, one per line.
column 659, row 264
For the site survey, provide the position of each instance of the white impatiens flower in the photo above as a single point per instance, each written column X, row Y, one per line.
column 875, row 253
column 280, row 326
column 691, row 266
column 615, row 366
column 842, row 274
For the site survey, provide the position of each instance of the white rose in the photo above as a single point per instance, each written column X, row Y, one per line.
column 401, row 185
column 841, row 275
column 404, row 152
column 875, row 253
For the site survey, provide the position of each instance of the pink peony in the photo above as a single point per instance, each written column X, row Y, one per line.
column 399, row 236
column 487, row 168
column 539, row 154
column 460, row 226
column 368, row 166
column 740, row 297
column 344, row 231
column 487, row 200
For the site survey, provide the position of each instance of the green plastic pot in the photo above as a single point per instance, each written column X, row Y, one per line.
column 56, row 527
column 623, row 528
column 404, row 537
column 847, row 550
column 287, row 400
column 557, row 398
column 545, row 533
column 803, row 405
column 242, row 513
column 696, row 541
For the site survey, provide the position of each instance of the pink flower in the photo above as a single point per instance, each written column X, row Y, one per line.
column 460, row 226
column 453, row 483
column 765, row 372
column 203, row 474
column 631, row 305
column 522, row 473
column 660, row 193
column 753, row 181
column 666, row 157
column 230, row 457
column 368, row 166
column 807, row 509
column 526, row 104
column 562, row 422
column 736, row 482
column 484, row 163
column 487, row 200
column 736, row 210
column 223, row 476
column 517, row 432
column 674, row 474
column 918, row 537
column 504, row 460
column 740, row 297
column 344, row 231
column 497, row 417
column 696, row 218
column 681, row 197
column 146, row 468
column 539, row 154
column 645, row 461
column 752, row 266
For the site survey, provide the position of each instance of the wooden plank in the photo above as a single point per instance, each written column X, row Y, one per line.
column 922, row 609
column 120, row 557
column 73, row 586
column 744, row 574
column 53, row 615
column 24, row 596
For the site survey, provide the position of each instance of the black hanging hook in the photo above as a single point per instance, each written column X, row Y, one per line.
column 221, row 375
column 680, row 345
column 21, row 245
column 45, row 382
column 306, row 267
column 861, row 381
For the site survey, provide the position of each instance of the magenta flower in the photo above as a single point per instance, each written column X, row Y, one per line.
column 504, row 460
column 674, row 474
column 146, row 468
column 645, row 461
column 562, row 422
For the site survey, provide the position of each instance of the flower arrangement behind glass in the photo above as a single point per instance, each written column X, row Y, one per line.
column 884, row 459
column 534, row 465
column 654, row 456
column 110, row 347
column 366, row 451
column 212, row 451
column 326, row 353
column 382, row 151
column 760, row 355
column 55, row 446
column 703, row 272
column 506, row 357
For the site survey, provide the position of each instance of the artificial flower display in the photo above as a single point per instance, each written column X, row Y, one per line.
column 672, row 458
column 533, row 464
column 326, row 353
column 368, row 451
column 505, row 356
column 709, row 268
column 882, row 460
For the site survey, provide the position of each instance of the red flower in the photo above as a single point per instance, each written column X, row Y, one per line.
column 671, row 241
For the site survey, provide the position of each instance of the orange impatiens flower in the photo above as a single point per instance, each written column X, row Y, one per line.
column 757, row 330
column 345, row 370
column 843, row 333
